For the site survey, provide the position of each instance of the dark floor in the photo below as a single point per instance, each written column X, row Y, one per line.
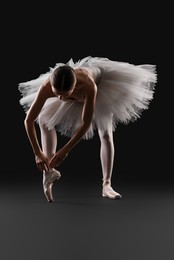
column 80, row 224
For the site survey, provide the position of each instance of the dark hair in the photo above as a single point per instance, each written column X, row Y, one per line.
column 63, row 78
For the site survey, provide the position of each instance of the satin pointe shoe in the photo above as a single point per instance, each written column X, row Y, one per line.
column 48, row 179
column 108, row 192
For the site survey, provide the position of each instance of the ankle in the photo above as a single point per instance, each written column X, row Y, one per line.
column 106, row 182
column 49, row 171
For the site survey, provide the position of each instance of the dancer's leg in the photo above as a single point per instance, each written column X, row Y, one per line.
column 48, row 141
column 49, row 145
column 107, row 152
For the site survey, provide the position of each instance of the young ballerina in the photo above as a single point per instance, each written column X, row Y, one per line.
column 77, row 98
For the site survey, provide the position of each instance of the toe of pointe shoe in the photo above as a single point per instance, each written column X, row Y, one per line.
column 49, row 200
column 48, row 194
column 117, row 197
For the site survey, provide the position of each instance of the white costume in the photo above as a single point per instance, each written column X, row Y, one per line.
column 124, row 91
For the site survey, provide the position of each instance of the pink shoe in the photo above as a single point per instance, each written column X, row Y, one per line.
column 108, row 192
column 48, row 179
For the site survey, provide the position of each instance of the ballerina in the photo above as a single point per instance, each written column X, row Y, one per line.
column 77, row 98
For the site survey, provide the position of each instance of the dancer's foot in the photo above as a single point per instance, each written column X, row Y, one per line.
column 108, row 192
column 48, row 193
column 48, row 179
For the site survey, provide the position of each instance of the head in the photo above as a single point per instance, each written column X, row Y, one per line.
column 63, row 80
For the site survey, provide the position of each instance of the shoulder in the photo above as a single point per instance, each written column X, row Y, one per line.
column 90, row 87
column 90, row 84
column 45, row 89
column 85, row 75
column 92, row 73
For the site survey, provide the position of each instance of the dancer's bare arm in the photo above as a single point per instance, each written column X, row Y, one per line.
column 29, row 122
column 87, row 114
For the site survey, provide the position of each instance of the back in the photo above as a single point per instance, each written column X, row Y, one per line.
column 94, row 72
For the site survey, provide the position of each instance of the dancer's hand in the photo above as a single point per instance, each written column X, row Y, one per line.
column 58, row 158
column 42, row 162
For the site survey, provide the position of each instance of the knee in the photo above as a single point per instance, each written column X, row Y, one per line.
column 106, row 136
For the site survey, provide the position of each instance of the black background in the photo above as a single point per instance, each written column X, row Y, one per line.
column 36, row 37
column 81, row 224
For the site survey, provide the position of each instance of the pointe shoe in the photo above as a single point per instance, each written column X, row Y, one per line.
column 48, row 193
column 110, row 193
column 48, row 179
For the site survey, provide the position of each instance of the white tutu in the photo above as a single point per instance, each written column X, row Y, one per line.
column 124, row 91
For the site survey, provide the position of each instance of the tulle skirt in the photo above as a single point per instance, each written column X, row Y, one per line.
column 123, row 91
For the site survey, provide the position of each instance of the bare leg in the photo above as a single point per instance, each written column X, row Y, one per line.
column 48, row 141
column 49, row 145
column 107, row 152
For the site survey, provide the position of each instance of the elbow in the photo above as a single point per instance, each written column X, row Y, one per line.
column 27, row 122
